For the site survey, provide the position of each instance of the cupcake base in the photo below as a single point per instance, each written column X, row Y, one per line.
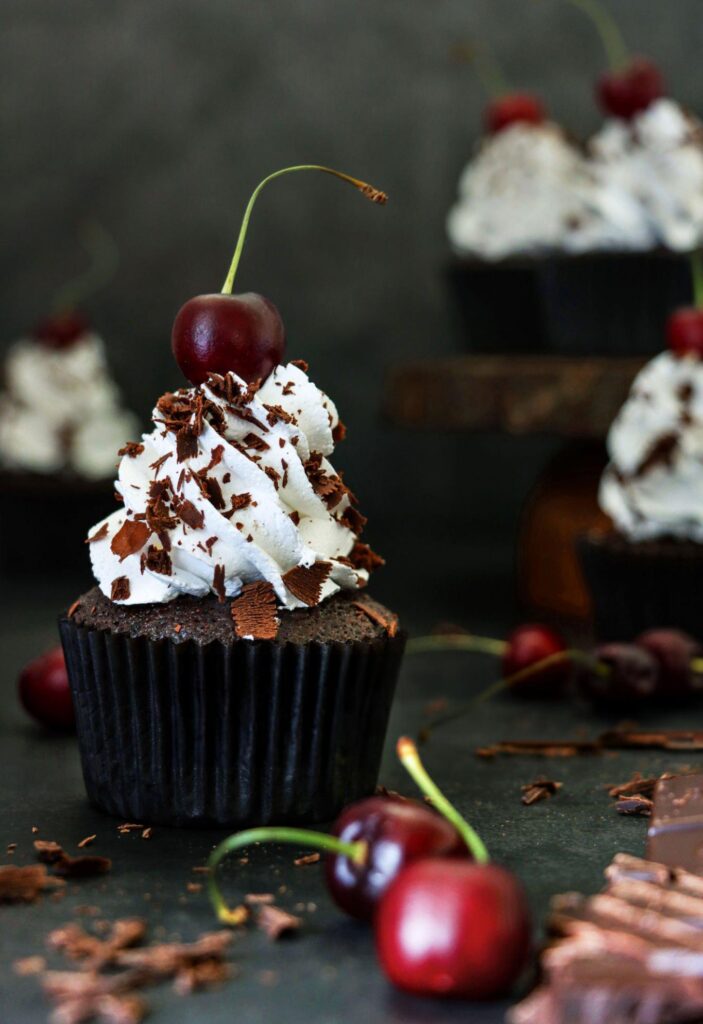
column 639, row 586
column 177, row 732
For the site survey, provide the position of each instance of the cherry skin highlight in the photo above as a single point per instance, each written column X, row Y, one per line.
column 527, row 645
column 684, row 332
column 397, row 832
column 513, row 108
column 45, row 693
column 627, row 93
column 221, row 333
column 62, row 330
column 451, row 928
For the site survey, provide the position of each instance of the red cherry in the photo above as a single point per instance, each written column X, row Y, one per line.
column 219, row 333
column 44, row 690
column 449, row 928
column 632, row 675
column 62, row 330
column 397, row 832
column 513, row 108
column 629, row 92
column 674, row 651
column 528, row 645
column 684, row 332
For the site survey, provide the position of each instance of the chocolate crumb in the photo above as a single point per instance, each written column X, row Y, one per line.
column 147, row 833
column 308, row 858
column 29, row 965
column 86, row 842
column 24, row 884
column 635, row 805
column 131, row 449
column 100, row 534
column 120, row 589
column 73, row 609
column 540, row 789
column 276, row 922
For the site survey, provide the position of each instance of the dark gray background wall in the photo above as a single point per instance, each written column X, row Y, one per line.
column 157, row 117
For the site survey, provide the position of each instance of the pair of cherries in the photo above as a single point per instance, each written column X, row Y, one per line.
column 447, row 922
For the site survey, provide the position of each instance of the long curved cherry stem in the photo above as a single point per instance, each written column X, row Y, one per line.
column 356, row 852
column 697, row 278
column 608, row 30
column 410, row 759
column 456, row 642
column 374, row 194
column 104, row 260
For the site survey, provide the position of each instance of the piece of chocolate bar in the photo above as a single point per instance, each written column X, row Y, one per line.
column 675, row 835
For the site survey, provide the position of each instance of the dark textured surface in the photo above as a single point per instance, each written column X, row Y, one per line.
column 328, row 974
column 207, row 619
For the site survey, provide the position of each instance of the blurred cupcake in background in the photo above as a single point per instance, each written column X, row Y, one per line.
column 61, row 422
column 647, row 570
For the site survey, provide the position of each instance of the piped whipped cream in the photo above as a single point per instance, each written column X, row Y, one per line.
column 234, row 487
column 657, row 160
column 653, row 486
column 61, row 409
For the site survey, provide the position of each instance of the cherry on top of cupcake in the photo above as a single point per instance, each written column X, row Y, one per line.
column 505, row 106
column 632, row 83
column 244, row 334
column 684, row 328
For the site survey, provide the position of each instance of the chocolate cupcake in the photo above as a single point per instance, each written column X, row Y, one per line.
column 647, row 571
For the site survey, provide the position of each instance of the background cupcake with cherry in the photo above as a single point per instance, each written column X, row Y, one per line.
column 230, row 619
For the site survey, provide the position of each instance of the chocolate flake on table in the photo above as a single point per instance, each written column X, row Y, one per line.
column 218, row 582
column 306, row 582
column 28, row 965
column 25, row 884
column 254, row 899
column 635, row 805
column 70, row 867
column 636, row 786
column 130, row 538
column 664, row 739
column 148, row 832
column 95, row 953
column 131, row 449
column 120, row 589
column 100, row 534
column 362, row 556
column 254, row 612
column 306, row 859
column 373, row 612
column 541, row 789
column 631, row 953
column 86, row 841
column 675, row 835
column 129, row 826
column 539, row 748
column 276, row 923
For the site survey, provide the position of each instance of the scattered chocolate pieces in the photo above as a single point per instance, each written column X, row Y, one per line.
column 29, row 965
column 675, row 836
column 308, row 858
column 377, row 615
column 257, row 898
column 615, row 739
column 130, row 538
column 539, row 748
column 99, row 534
column 540, row 789
column 148, row 832
column 635, row 805
column 129, row 826
column 306, row 582
column 70, row 867
column 254, row 612
column 276, row 922
column 86, row 842
column 25, row 884
column 121, row 589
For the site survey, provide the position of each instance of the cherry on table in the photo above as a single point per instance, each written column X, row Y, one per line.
column 449, row 928
column 397, row 832
column 45, row 692
column 626, row 92
column 621, row 673
column 684, row 332
column 525, row 647
column 678, row 656
column 513, row 108
column 62, row 330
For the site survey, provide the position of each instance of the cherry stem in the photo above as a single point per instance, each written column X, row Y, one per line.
column 374, row 194
column 697, row 277
column 488, row 70
column 697, row 664
column 355, row 852
column 104, row 260
column 410, row 759
column 456, row 642
column 608, row 30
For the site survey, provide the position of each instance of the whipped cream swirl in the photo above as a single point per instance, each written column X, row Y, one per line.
column 653, row 486
column 61, row 409
column 233, row 486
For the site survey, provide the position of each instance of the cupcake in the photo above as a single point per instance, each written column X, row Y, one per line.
column 61, row 423
column 646, row 570
column 229, row 667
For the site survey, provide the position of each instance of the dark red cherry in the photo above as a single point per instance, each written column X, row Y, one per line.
column 397, row 832
column 45, row 692
column 452, row 928
column 62, row 330
column 630, row 91
column 218, row 333
column 684, row 332
column 527, row 645
column 676, row 653
column 628, row 673
column 513, row 108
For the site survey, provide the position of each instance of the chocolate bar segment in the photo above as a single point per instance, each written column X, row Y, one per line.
column 675, row 835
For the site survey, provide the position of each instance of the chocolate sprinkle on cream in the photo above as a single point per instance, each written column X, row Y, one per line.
column 305, row 582
column 132, row 449
column 254, row 612
column 100, row 534
column 218, row 582
column 129, row 539
column 120, row 589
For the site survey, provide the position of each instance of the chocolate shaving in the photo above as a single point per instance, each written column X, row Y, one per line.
column 120, row 589
column 215, row 457
column 330, row 487
column 373, row 612
column 665, row 739
column 362, row 556
column 306, row 582
column 273, row 475
column 339, row 432
column 539, row 748
column 294, row 517
column 95, row 953
column 157, row 560
column 100, row 534
column 132, row 449
column 254, row 612
column 70, row 867
column 276, row 922
column 190, row 514
column 255, row 442
column 29, row 965
column 218, row 583
column 540, row 789
column 156, row 466
column 353, row 520
column 24, row 884
column 187, row 444
column 277, row 414
column 637, row 804
column 130, row 538
column 73, row 609
column 306, row 859
column 661, row 453
column 301, row 364
column 86, row 842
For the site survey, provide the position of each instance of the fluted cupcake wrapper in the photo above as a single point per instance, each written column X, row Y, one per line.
column 637, row 587
column 246, row 734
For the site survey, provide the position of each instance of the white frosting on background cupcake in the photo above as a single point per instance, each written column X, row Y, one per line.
column 61, row 409
column 653, row 486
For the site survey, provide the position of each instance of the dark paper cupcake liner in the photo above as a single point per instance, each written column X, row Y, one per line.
column 247, row 734
column 635, row 587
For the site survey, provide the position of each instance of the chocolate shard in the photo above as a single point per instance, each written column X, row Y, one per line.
column 306, row 582
column 675, row 836
column 254, row 612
